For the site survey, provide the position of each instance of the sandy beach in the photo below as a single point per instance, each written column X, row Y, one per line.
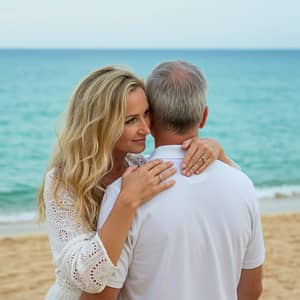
column 27, row 272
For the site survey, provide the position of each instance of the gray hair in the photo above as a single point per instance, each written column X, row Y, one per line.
column 176, row 91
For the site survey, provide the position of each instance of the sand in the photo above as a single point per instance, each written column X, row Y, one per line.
column 26, row 270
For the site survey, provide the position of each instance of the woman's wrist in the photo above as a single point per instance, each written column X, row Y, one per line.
column 127, row 202
column 222, row 157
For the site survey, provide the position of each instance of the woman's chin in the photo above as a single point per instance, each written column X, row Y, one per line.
column 137, row 150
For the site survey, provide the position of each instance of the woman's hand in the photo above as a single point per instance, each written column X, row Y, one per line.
column 200, row 154
column 140, row 184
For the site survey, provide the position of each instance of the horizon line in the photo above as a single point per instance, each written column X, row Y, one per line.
column 148, row 49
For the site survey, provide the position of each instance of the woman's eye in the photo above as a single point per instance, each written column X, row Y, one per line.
column 130, row 121
column 146, row 113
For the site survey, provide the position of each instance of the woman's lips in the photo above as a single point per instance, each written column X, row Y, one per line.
column 140, row 141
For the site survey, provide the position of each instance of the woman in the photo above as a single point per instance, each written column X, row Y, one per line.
column 84, row 163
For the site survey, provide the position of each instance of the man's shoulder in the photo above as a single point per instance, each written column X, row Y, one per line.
column 220, row 166
column 236, row 178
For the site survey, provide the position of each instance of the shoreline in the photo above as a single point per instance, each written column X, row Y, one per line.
column 268, row 207
column 19, row 229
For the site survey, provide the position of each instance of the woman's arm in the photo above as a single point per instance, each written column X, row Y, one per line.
column 78, row 253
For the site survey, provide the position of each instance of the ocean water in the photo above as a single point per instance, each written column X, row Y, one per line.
column 254, row 111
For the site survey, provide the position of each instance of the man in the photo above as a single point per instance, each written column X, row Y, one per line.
column 202, row 238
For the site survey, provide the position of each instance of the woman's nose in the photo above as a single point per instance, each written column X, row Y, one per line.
column 144, row 127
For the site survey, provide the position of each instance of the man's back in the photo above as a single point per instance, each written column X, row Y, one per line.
column 191, row 241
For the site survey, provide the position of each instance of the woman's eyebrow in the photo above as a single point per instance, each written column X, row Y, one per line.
column 136, row 115
column 128, row 116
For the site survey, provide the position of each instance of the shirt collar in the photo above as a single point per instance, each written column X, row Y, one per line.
column 169, row 151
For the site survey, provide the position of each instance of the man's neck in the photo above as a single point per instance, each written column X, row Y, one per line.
column 164, row 138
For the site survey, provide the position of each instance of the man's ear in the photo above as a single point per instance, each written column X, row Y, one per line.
column 203, row 121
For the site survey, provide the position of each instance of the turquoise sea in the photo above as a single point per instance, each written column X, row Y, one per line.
column 254, row 111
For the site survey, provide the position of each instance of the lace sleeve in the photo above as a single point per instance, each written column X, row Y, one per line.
column 136, row 159
column 79, row 256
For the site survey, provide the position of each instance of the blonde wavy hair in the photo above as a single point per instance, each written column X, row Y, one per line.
column 83, row 153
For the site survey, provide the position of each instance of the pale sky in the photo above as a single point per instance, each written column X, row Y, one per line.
column 150, row 24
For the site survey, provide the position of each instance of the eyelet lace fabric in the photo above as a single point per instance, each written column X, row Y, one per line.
column 136, row 159
column 80, row 259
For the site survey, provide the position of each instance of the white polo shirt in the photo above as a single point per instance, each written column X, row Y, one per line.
column 191, row 241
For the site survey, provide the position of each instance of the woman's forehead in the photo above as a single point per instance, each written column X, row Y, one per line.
column 136, row 101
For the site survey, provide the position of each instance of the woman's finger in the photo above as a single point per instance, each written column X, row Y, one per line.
column 203, row 162
column 151, row 164
column 194, row 168
column 197, row 160
column 166, row 174
column 166, row 185
column 162, row 187
column 186, row 144
column 191, row 156
column 160, row 168
column 205, row 165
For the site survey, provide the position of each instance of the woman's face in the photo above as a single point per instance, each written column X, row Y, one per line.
column 137, row 124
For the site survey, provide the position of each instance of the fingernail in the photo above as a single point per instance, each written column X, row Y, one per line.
column 183, row 165
column 183, row 172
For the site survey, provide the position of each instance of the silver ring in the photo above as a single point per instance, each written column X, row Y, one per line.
column 203, row 158
column 160, row 178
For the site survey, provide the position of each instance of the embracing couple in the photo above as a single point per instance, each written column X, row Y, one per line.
column 183, row 225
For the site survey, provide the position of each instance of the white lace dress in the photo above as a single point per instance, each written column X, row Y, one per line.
column 80, row 259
